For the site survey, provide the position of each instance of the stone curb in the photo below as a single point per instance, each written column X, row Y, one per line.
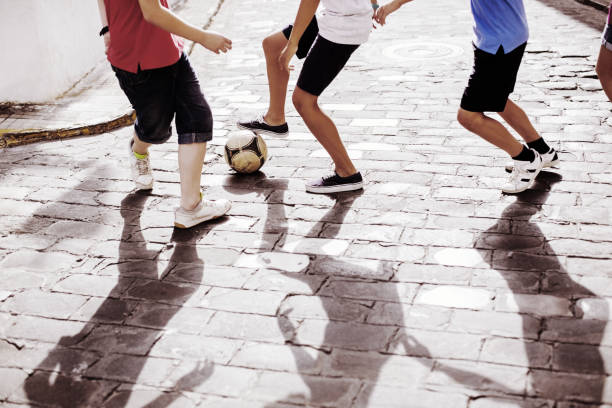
column 598, row 4
column 24, row 137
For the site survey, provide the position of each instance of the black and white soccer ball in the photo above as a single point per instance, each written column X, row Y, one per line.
column 245, row 151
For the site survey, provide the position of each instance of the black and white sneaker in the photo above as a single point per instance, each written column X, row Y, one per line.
column 335, row 184
column 259, row 125
column 549, row 159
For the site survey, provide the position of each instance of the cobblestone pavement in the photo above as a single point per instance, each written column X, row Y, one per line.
column 428, row 289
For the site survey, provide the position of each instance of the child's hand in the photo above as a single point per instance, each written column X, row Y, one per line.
column 106, row 42
column 384, row 11
column 215, row 42
column 286, row 55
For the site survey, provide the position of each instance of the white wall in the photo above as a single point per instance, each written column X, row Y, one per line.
column 46, row 46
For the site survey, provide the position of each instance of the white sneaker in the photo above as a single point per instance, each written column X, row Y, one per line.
column 549, row 159
column 205, row 211
column 523, row 174
column 141, row 170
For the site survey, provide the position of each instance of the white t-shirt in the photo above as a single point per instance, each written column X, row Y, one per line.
column 345, row 21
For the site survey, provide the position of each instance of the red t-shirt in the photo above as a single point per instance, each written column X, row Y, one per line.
column 134, row 42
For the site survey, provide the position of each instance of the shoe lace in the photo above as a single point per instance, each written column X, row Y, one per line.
column 143, row 166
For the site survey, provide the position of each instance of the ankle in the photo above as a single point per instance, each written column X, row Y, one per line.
column 346, row 173
column 274, row 120
column 190, row 204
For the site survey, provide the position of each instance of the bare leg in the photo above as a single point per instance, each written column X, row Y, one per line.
column 490, row 130
column 519, row 121
column 604, row 70
column 139, row 146
column 191, row 160
column 277, row 78
column 324, row 130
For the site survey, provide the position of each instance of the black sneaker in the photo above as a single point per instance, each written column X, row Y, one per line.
column 259, row 125
column 334, row 184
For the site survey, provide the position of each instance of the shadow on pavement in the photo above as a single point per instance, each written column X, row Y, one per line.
column 351, row 350
column 99, row 365
column 537, row 279
column 571, row 9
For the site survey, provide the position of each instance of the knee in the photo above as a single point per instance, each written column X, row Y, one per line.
column 469, row 120
column 269, row 45
column 300, row 101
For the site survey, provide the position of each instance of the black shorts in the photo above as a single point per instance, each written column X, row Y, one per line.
column 158, row 94
column 324, row 59
column 492, row 80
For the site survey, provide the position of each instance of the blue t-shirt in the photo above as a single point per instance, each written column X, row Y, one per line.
column 499, row 23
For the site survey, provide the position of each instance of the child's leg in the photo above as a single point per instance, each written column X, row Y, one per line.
column 490, row 130
column 277, row 78
column 139, row 146
column 604, row 70
column 519, row 121
column 324, row 130
column 191, row 161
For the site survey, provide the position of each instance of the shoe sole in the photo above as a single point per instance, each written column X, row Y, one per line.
column 335, row 189
column 262, row 131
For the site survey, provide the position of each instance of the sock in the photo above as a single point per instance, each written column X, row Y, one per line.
column 525, row 155
column 539, row 146
column 140, row 156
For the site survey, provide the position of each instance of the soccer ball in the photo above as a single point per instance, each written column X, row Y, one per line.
column 245, row 151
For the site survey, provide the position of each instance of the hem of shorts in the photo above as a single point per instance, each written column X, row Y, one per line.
column 194, row 137
column 151, row 141
column 482, row 108
column 606, row 44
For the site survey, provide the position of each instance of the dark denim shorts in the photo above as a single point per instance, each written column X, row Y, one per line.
column 158, row 94
column 492, row 80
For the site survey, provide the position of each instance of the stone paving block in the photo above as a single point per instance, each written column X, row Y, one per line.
column 577, row 330
column 245, row 326
column 17, row 279
column 46, row 330
column 499, row 402
column 567, row 386
column 133, row 398
column 119, row 367
column 315, row 246
column 517, row 352
column 80, row 229
column 269, row 280
column 434, row 344
column 455, row 297
column 245, row 301
column 305, row 389
column 274, row 260
column 160, row 291
column 274, row 357
column 214, row 379
column 374, row 367
column 385, row 251
column 346, row 335
column 18, row 241
column 12, row 379
column 434, row 274
column 465, row 257
column 495, row 324
column 120, row 339
column 92, row 285
column 44, row 304
column 352, row 267
column 325, row 307
column 383, row 396
column 28, row 260
column 581, row 358
column 540, row 305
column 385, row 291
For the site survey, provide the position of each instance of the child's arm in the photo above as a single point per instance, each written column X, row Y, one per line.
column 154, row 13
column 384, row 11
column 104, row 20
column 305, row 13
